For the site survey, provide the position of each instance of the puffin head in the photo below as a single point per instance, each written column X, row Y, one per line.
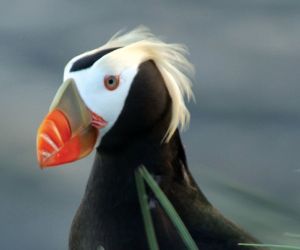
column 115, row 92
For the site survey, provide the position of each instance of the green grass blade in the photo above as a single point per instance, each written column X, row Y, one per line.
column 143, row 199
column 292, row 235
column 169, row 209
column 283, row 247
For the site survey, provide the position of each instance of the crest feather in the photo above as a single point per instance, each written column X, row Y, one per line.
column 170, row 58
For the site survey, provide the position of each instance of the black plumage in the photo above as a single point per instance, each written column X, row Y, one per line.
column 88, row 60
column 109, row 215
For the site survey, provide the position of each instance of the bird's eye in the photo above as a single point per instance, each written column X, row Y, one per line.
column 111, row 82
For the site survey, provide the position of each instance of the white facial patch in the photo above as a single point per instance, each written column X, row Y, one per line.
column 128, row 51
column 106, row 103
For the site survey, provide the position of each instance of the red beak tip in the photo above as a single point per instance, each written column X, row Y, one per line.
column 57, row 145
column 41, row 163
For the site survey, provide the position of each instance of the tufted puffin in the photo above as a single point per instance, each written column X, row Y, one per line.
column 126, row 101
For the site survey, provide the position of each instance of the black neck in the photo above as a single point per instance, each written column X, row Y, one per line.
column 110, row 203
column 113, row 172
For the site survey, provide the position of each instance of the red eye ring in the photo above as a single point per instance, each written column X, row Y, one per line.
column 111, row 82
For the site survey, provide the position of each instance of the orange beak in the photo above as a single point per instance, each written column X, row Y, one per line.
column 68, row 132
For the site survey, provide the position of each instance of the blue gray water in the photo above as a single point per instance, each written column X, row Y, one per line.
column 244, row 139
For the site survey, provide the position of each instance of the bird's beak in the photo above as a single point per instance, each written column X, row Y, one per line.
column 66, row 134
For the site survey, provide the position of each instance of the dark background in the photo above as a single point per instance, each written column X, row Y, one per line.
column 244, row 138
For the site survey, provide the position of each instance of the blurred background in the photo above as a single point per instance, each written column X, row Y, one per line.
column 244, row 139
